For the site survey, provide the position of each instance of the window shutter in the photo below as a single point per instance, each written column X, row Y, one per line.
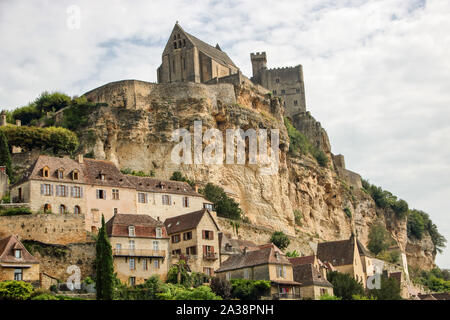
column 203, row 234
column 71, row 192
column 81, row 192
column 212, row 249
column 212, row 235
column 204, row 250
column 42, row 189
column 146, row 197
column 51, row 189
column 104, row 194
column 98, row 194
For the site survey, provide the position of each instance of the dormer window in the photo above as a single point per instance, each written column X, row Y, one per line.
column 158, row 232
column 18, row 253
column 75, row 175
column 45, row 172
column 131, row 231
column 102, row 177
column 60, row 174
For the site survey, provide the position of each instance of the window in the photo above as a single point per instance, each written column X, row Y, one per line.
column 295, row 103
column 166, row 200
column 176, row 252
column 18, row 274
column 18, row 253
column 116, row 211
column 156, row 263
column 76, row 210
column 144, row 264
column 131, row 245
column 191, row 250
column 281, row 271
column 61, row 191
column 277, row 80
column 274, row 91
column 158, row 232
column 45, row 172
column 76, row 192
column 102, row 177
column 101, row 194
column 297, row 90
column 207, row 271
column 186, row 202
column 175, row 45
column 142, row 197
column 62, row 209
column 187, row 236
column 246, row 273
column 208, row 235
column 60, row 174
column 131, row 231
column 175, row 238
column 208, row 206
column 132, row 264
column 75, row 175
column 132, row 281
column 46, row 189
column 156, row 245
column 118, row 247
column 115, row 193
column 283, row 91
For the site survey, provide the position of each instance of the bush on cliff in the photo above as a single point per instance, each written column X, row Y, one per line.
column 57, row 139
column 418, row 223
column 225, row 206
column 178, row 176
column 379, row 239
column 280, row 239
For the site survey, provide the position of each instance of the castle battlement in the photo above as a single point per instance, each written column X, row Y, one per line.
column 258, row 55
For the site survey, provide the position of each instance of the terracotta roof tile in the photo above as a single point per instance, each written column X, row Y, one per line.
column 144, row 226
column 308, row 275
column 186, row 221
column 302, row 260
column 147, row 184
column 337, row 252
column 93, row 169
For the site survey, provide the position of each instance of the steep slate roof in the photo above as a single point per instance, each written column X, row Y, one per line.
column 147, row 184
column 186, row 221
column 7, row 246
column 144, row 226
column 307, row 275
column 339, row 253
column 362, row 250
column 236, row 245
column 302, row 260
column 264, row 254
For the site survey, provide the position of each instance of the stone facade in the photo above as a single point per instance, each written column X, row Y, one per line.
column 186, row 58
column 287, row 83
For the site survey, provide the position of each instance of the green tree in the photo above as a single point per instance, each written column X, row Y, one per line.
column 224, row 205
column 344, row 285
column 178, row 274
column 221, row 287
column 390, row 290
column 5, row 156
column 245, row 289
column 104, row 265
column 280, row 239
column 52, row 102
column 379, row 238
column 178, row 176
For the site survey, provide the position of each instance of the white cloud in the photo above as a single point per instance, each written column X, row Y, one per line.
column 377, row 72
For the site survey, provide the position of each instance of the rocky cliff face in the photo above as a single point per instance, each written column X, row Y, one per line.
column 135, row 129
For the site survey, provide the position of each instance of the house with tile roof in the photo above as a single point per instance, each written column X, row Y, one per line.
column 264, row 262
column 230, row 246
column 313, row 284
column 194, row 238
column 165, row 199
column 344, row 256
column 188, row 59
column 16, row 263
column 140, row 246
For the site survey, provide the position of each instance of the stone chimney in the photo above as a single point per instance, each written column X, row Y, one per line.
column 3, row 118
column 80, row 158
column 18, row 123
column 196, row 188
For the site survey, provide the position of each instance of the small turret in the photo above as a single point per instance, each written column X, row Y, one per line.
column 3, row 118
column 259, row 62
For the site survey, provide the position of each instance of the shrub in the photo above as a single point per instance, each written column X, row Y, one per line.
column 418, row 223
column 58, row 139
column 245, row 289
column 15, row 290
column 178, row 176
column 45, row 296
column 280, row 239
column 326, row 296
column 178, row 292
column 390, row 290
column 379, row 238
column 348, row 212
column 345, row 286
column 225, row 206
column 52, row 102
column 221, row 287
column 15, row 211
column 178, row 274
column 292, row 254
column 298, row 217
column 27, row 114
column 76, row 116
column 139, row 173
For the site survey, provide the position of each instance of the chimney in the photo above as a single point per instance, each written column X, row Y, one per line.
column 18, row 122
column 80, row 158
column 3, row 118
column 196, row 188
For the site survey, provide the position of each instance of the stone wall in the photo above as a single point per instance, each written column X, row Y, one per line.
column 3, row 184
column 47, row 228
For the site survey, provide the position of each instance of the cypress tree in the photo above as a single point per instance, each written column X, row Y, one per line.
column 104, row 264
column 5, row 156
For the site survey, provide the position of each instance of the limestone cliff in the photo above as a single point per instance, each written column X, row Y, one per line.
column 134, row 130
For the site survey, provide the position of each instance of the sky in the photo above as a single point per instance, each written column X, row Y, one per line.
column 377, row 73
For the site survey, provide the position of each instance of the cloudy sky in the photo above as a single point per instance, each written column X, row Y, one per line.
column 377, row 72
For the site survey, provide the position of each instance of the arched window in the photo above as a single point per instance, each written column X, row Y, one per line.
column 175, row 45
column 45, row 172
column 47, row 208
column 62, row 209
column 77, row 210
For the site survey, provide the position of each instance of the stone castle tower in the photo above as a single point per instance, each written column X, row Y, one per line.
column 188, row 59
column 287, row 83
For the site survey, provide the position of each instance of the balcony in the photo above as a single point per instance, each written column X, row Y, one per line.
column 139, row 253
column 210, row 256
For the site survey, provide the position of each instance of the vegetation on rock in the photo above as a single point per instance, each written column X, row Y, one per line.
column 225, row 206
column 178, row 176
column 280, row 239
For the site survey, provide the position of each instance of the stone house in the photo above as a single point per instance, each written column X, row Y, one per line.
column 140, row 247
column 166, row 199
column 313, row 284
column 188, row 59
column 344, row 256
column 265, row 262
column 16, row 263
column 86, row 187
column 194, row 238
column 230, row 246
